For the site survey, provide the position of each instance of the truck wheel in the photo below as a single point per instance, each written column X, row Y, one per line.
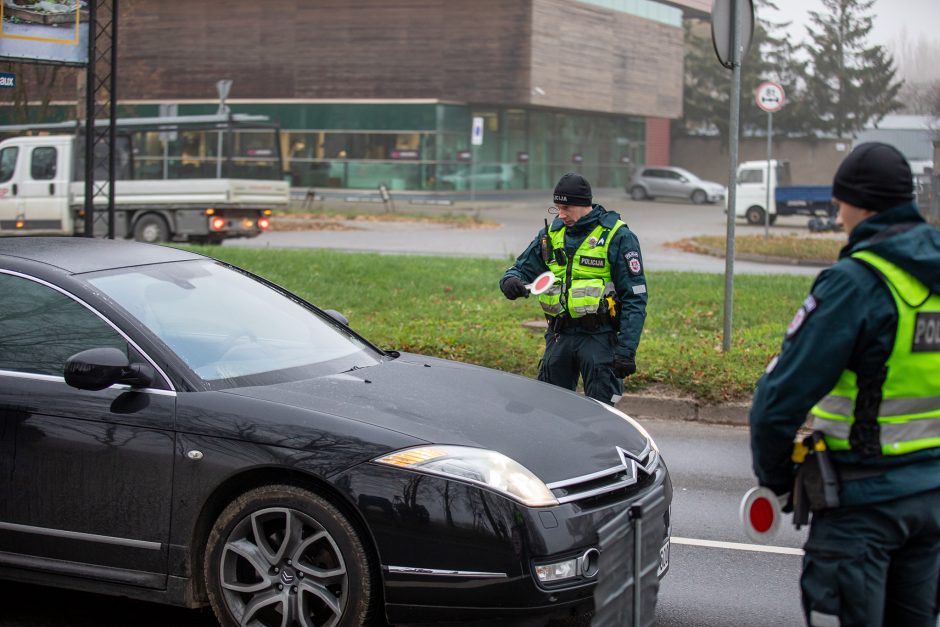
column 151, row 228
column 754, row 215
column 699, row 196
column 638, row 193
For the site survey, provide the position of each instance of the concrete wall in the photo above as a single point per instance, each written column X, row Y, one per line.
column 812, row 161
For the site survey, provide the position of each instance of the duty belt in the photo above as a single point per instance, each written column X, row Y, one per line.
column 589, row 323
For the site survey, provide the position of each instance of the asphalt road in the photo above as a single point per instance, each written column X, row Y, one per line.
column 729, row 584
column 656, row 223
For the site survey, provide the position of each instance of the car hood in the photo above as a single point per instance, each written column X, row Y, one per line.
column 553, row 432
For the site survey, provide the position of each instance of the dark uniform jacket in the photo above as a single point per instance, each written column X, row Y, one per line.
column 630, row 284
column 851, row 324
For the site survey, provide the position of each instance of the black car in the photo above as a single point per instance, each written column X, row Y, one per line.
column 179, row 430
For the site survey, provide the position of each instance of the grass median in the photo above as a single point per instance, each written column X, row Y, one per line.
column 452, row 308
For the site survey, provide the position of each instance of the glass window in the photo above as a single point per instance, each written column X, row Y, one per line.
column 8, row 162
column 751, row 176
column 40, row 328
column 263, row 337
column 43, row 163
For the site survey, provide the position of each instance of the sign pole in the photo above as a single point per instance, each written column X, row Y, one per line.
column 770, row 98
column 770, row 127
column 476, row 139
column 736, row 56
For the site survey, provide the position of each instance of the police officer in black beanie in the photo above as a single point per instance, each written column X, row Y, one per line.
column 597, row 305
column 862, row 358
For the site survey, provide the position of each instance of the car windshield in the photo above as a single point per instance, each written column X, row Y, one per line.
column 231, row 328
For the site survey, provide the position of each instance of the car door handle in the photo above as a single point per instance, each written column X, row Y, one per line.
column 14, row 189
column 52, row 189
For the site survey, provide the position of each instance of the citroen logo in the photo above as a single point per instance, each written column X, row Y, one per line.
column 287, row 577
column 630, row 461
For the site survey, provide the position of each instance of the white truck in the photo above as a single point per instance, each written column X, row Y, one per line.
column 785, row 199
column 160, row 192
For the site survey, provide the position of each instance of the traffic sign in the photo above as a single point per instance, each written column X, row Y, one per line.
column 723, row 27
column 769, row 97
column 760, row 514
column 542, row 282
column 476, row 137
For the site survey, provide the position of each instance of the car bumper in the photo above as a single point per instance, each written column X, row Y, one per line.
column 450, row 550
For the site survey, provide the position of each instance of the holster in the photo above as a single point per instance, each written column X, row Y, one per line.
column 816, row 485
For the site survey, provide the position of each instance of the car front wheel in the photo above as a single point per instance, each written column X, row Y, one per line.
column 699, row 196
column 282, row 555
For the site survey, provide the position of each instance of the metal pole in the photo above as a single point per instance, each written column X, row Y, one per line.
column 732, row 191
column 112, row 110
column 473, row 184
column 637, row 570
column 90, row 122
column 770, row 127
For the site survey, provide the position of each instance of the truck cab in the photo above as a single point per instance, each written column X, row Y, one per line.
column 751, row 193
column 34, row 185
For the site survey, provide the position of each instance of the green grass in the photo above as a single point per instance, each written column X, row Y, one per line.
column 452, row 308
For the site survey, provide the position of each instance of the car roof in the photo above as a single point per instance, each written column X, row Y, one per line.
column 84, row 254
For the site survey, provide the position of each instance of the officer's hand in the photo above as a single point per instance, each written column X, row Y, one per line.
column 514, row 288
column 624, row 366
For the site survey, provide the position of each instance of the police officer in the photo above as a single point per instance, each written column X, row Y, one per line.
column 862, row 357
column 597, row 304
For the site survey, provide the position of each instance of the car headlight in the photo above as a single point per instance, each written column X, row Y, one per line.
column 633, row 422
column 483, row 467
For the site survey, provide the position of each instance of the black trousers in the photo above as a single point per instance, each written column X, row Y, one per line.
column 874, row 565
column 589, row 356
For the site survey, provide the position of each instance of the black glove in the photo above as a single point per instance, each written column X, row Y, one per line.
column 624, row 366
column 514, row 288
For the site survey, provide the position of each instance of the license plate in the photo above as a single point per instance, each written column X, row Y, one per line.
column 663, row 558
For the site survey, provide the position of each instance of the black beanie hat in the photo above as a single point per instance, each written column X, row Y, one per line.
column 573, row 189
column 874, row 176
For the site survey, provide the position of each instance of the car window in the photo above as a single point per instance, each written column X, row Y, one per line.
column 41, row 327
column 751, row 176
column 226, row 325
column 8, row 162
column 43, row 163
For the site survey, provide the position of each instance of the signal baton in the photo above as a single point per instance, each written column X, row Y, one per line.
column 542, row 282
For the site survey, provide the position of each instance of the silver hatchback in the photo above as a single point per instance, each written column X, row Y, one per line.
column 666, row 181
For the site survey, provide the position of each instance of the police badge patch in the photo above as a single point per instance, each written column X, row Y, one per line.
column 633, row 262
column 809, row 306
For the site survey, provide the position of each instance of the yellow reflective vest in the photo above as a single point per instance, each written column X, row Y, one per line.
column 582, row 281
column 908, row 416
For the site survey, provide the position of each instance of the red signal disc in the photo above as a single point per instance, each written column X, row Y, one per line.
column 762, row 515
column 543, row 281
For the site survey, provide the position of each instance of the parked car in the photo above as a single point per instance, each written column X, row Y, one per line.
column 669, row 182
column 176, row 429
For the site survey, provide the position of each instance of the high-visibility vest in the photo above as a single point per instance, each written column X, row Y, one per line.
column 908, row 417
column 583, row 280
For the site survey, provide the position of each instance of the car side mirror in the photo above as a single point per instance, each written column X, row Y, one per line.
column 332, row 313
column 99, row 368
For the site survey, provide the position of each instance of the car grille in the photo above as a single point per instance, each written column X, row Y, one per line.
column 632, row 473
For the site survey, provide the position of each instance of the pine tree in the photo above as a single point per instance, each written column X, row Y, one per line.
column 707, row 85
column 849, row 85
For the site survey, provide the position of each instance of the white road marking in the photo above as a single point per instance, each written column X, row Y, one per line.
column 737, row 546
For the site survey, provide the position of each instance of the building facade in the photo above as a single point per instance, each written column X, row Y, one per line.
column 372, row 92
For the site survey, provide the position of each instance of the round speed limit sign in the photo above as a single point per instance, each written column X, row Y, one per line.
column 769, row 97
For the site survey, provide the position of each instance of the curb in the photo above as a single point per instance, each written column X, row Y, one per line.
column 771, row 259
column 687, row 409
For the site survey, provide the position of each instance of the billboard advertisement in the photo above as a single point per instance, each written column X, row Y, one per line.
column 44, row 31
